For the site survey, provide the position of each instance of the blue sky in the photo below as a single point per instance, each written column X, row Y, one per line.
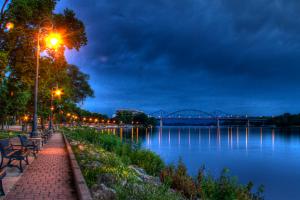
column 237, row 56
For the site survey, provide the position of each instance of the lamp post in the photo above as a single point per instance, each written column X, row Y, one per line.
column 51, row 113
column 52, row 41
column 54, row 92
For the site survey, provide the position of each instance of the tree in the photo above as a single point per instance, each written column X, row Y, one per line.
column 3, row 101
column 18, row 51
column 80, row 88
column 141, row 118
column 13, row 99
column 125, row 116
column 20, row 42
column 3, row 64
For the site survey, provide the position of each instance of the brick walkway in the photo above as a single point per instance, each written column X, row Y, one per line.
column 48, row 177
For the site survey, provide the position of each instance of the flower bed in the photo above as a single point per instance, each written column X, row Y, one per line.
column 117, row 170
column 111, row 174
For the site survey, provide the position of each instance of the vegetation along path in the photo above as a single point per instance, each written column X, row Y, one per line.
column 48, row 177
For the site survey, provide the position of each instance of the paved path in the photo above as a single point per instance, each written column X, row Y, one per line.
column 48, row 177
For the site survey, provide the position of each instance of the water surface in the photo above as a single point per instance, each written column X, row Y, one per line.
column 263, row 155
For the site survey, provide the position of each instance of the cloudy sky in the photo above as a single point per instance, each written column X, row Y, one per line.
column 237, row 56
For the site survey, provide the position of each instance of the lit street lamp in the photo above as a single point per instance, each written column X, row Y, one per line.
column 52, row 41
column 57, row 92
column 9, row 26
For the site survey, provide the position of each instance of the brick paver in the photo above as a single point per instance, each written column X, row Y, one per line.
column 48, row 177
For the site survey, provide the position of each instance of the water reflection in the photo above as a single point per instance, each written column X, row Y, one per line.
column 206, row 137
column 263, row 155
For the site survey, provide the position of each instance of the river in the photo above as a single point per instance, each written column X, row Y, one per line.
column 262, row 155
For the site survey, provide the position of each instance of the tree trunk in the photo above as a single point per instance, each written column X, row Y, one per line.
column 42, row 123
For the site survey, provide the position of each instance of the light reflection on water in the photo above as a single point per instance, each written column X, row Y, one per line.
column 265, row 156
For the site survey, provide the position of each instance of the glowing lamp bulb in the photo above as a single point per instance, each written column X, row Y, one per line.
column 53, row 40
column 58, row 92
column 9, row 26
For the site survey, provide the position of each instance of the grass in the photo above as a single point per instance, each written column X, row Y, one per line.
column 126, row 152
column 8, row 134
column 109, row 156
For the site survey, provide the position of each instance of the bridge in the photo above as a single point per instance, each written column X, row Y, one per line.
column 195, row 116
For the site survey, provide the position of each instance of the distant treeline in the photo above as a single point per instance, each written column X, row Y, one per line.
column 134, row 118
column 284, row 120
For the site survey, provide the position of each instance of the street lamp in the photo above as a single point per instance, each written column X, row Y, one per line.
column 52, row 41
column 9, row 26
column 57, row 92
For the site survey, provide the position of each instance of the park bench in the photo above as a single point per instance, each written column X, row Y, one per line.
column 45, row 135
column 13, row 155
column 28, row 145
column 2, row 175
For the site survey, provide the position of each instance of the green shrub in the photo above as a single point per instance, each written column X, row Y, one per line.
column 95, row 161
column 206, row 187
column 9, row 134
column 128, row 153
column 144, row 191
column 178, row 179
column 147, row 160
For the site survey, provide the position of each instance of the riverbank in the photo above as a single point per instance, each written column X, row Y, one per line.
column 120, row 170
column 111, row 168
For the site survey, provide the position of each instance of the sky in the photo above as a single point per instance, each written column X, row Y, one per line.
column 242, row 57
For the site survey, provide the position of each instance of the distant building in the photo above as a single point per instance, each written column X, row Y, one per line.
column 133, row 111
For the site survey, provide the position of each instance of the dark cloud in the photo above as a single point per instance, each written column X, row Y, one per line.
column 239, row 56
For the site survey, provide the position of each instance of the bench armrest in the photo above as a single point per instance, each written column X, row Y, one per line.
column 17, row 147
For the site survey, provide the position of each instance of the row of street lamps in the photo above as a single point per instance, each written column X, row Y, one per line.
column 52, row 40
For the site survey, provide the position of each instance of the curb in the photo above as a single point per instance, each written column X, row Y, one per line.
column 80, row 184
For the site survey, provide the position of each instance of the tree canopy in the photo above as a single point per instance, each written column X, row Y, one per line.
column 18, row 47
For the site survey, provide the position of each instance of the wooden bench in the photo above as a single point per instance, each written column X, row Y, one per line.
column 11, row 153
column 2, row 175
column 29, row 145
column 45, row 135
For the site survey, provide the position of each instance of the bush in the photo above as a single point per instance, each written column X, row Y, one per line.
column 144, row 191
column 178, row 179
column 95, row 161
column 98, row 165
column 206, row 187
column 147, row 160
column 128, row 153
column 9, row 134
